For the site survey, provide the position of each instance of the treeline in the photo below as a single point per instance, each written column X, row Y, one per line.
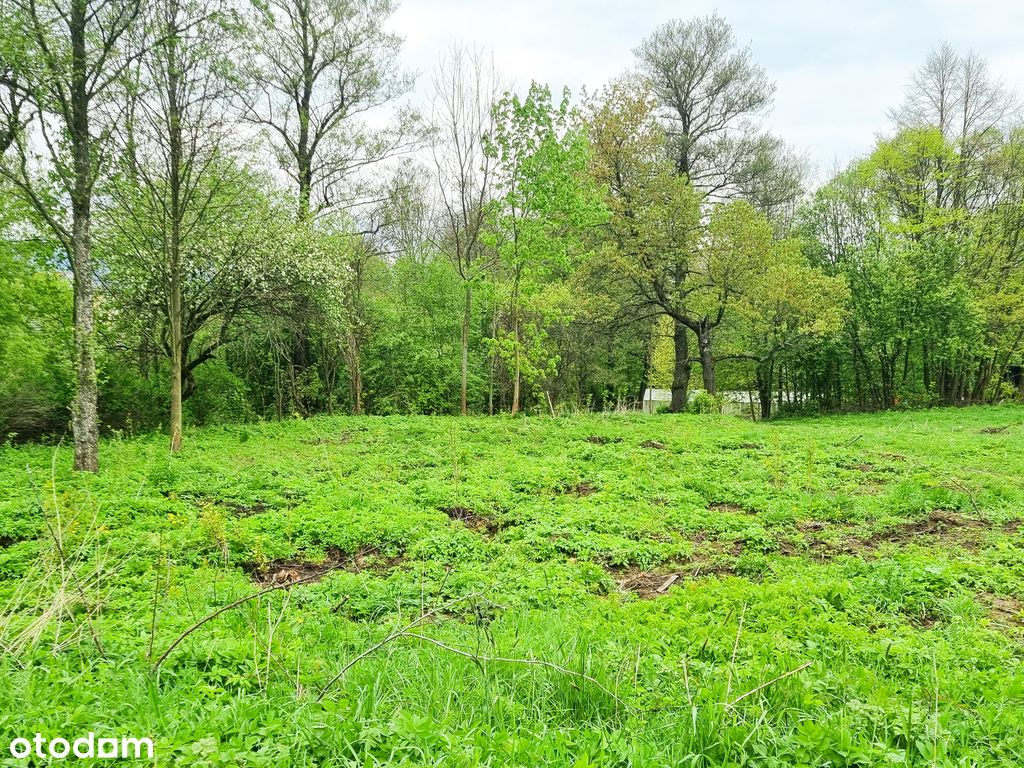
column 217, row 211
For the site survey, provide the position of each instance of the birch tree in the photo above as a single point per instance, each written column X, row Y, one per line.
column 62, row 66
column 465, row 89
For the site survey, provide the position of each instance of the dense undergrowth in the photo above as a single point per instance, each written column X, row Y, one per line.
column 591, row 591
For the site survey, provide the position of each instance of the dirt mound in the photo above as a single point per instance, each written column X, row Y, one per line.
column 941, row 526
column 598, row 440
column 286, row 571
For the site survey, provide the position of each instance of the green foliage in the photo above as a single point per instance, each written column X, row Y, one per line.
column 221, row 396
column 880, row 556
column 35, row 336
column 704, row 402
column 538, row 225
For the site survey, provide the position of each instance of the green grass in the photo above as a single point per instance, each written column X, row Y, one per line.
column 881, row 556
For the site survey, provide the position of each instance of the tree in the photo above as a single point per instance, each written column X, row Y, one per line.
column 319, row 67
column 35, row 335
column 236, row 258
column 954, row 95
column 545, row 208
column 173, row 172
column 655, row 215
column 61, row 64
column 708, row 94
column 787, row 305
column 708, row 91
column 466, row 87
column 735, row 250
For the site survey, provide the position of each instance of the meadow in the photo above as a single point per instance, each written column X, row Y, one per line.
column 601, row 590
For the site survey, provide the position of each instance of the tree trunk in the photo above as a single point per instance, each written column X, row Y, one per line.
column 681, row 370
column 644, row 375
column 517, row 372
column 176, row 359
column 84, row 417
column 176, row 217
column 493, row 363
column 355, row 373
column 707, row 363
column 764, row 388
column 466, row 319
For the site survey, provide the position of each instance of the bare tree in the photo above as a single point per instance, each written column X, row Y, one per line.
column 956, row 94
column 466, row 87
column 62, row 63
column 708, row 90
column 174, row 177
column 319, row 67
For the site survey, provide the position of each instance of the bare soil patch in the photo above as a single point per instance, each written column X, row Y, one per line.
column 341, row 439
column 995, row 430
column 246, row 510
column 656, row 445
column 578, row 489
column 729, row 508
column 287, row 571
column 237, row 508
column 1006, row 611
column 650, row 583
column 474, row 521
column 600, row 440
column 940, row 528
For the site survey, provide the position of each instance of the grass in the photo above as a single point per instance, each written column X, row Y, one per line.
column 591, row 591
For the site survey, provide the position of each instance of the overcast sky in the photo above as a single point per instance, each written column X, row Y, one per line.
column 838, row 65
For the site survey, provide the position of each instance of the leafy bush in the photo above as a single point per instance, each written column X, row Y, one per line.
column 220, row 396
column 705, row 403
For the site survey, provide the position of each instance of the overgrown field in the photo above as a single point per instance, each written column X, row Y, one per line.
column 591, row 591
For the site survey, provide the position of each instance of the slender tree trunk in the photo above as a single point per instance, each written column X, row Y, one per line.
column 176, row 357
column 764, row 389
column 681, row 370
column 493, row 363
column 644, row 375
column 466, row 319
column 174, row 245
column 517, row 372
column 84, row 416
column 353, row 359
column 926, row 368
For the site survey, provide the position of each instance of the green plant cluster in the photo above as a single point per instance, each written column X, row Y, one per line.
column 847, row 592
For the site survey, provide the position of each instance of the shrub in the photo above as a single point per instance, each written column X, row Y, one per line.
column 702, row 402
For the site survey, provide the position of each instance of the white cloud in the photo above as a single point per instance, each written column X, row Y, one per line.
column 839, row 66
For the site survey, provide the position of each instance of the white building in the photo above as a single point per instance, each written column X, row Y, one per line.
column 734, row 402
